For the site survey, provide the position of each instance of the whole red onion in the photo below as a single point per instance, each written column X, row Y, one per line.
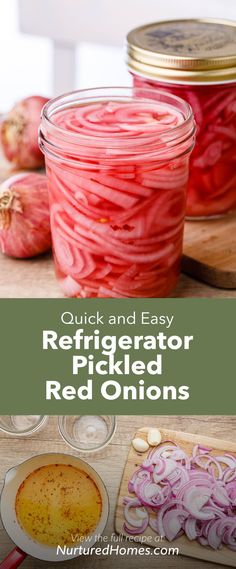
column 24, row 215
column 19, row 133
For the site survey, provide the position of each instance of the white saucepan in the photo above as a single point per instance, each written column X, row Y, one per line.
column 24, row 544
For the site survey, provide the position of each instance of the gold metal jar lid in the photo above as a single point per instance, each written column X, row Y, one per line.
column 196, row 50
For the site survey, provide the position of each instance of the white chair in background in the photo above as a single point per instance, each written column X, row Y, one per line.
column 69, row 22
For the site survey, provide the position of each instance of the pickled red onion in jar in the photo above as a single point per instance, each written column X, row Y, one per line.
column 212, row 180
column 195, row 59
column 117, row 165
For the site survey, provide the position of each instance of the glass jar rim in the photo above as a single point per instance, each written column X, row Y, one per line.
column 92, row 95
column 28, row 431
column 79, row 446
column 63, row 145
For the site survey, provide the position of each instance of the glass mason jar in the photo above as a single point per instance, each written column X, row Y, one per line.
column 117, row 162
column 196, row 60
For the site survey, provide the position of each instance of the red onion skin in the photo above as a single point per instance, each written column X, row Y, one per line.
column 19, row 133
column 25, row 224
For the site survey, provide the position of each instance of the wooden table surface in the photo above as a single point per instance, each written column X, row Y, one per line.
column 109, row 463
column 35, row 278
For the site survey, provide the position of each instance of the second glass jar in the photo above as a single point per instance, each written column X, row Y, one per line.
column 196, row 60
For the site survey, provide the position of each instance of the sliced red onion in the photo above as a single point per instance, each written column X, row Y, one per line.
column 229, row 475
column 150, row 494
column 213, row 537
column 206, row 461
column 135, row 530
column 227, row 529
column 190, row 528
column 220, row 496
column 169, row 467
column 139, row 520
column 195, row 499
column 159, row 467
column 153, row 523
column 227, row 459
column 202, row 540
column 231, row 491
column 173, row 522
column 176, row 494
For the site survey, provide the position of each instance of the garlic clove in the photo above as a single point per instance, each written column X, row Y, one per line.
column 140, row 445
column 154, row 437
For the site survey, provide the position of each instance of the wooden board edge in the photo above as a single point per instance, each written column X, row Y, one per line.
column 209, row 441
column 218, row 278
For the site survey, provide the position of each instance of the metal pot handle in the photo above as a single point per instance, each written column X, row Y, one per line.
column 14, row 559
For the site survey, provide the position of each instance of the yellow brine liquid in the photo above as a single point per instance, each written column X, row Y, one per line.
column 58, row 504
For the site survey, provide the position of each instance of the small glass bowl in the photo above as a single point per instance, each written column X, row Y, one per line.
column 87, row 433
column 21, row 425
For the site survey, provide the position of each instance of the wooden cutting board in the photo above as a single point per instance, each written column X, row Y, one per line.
column 186, row 547
column 210, row 251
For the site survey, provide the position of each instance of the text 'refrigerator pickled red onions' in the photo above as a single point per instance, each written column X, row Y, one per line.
column 196, row 60
column 117, row 164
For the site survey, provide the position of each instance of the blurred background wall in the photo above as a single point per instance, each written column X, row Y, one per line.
column 49, row 46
